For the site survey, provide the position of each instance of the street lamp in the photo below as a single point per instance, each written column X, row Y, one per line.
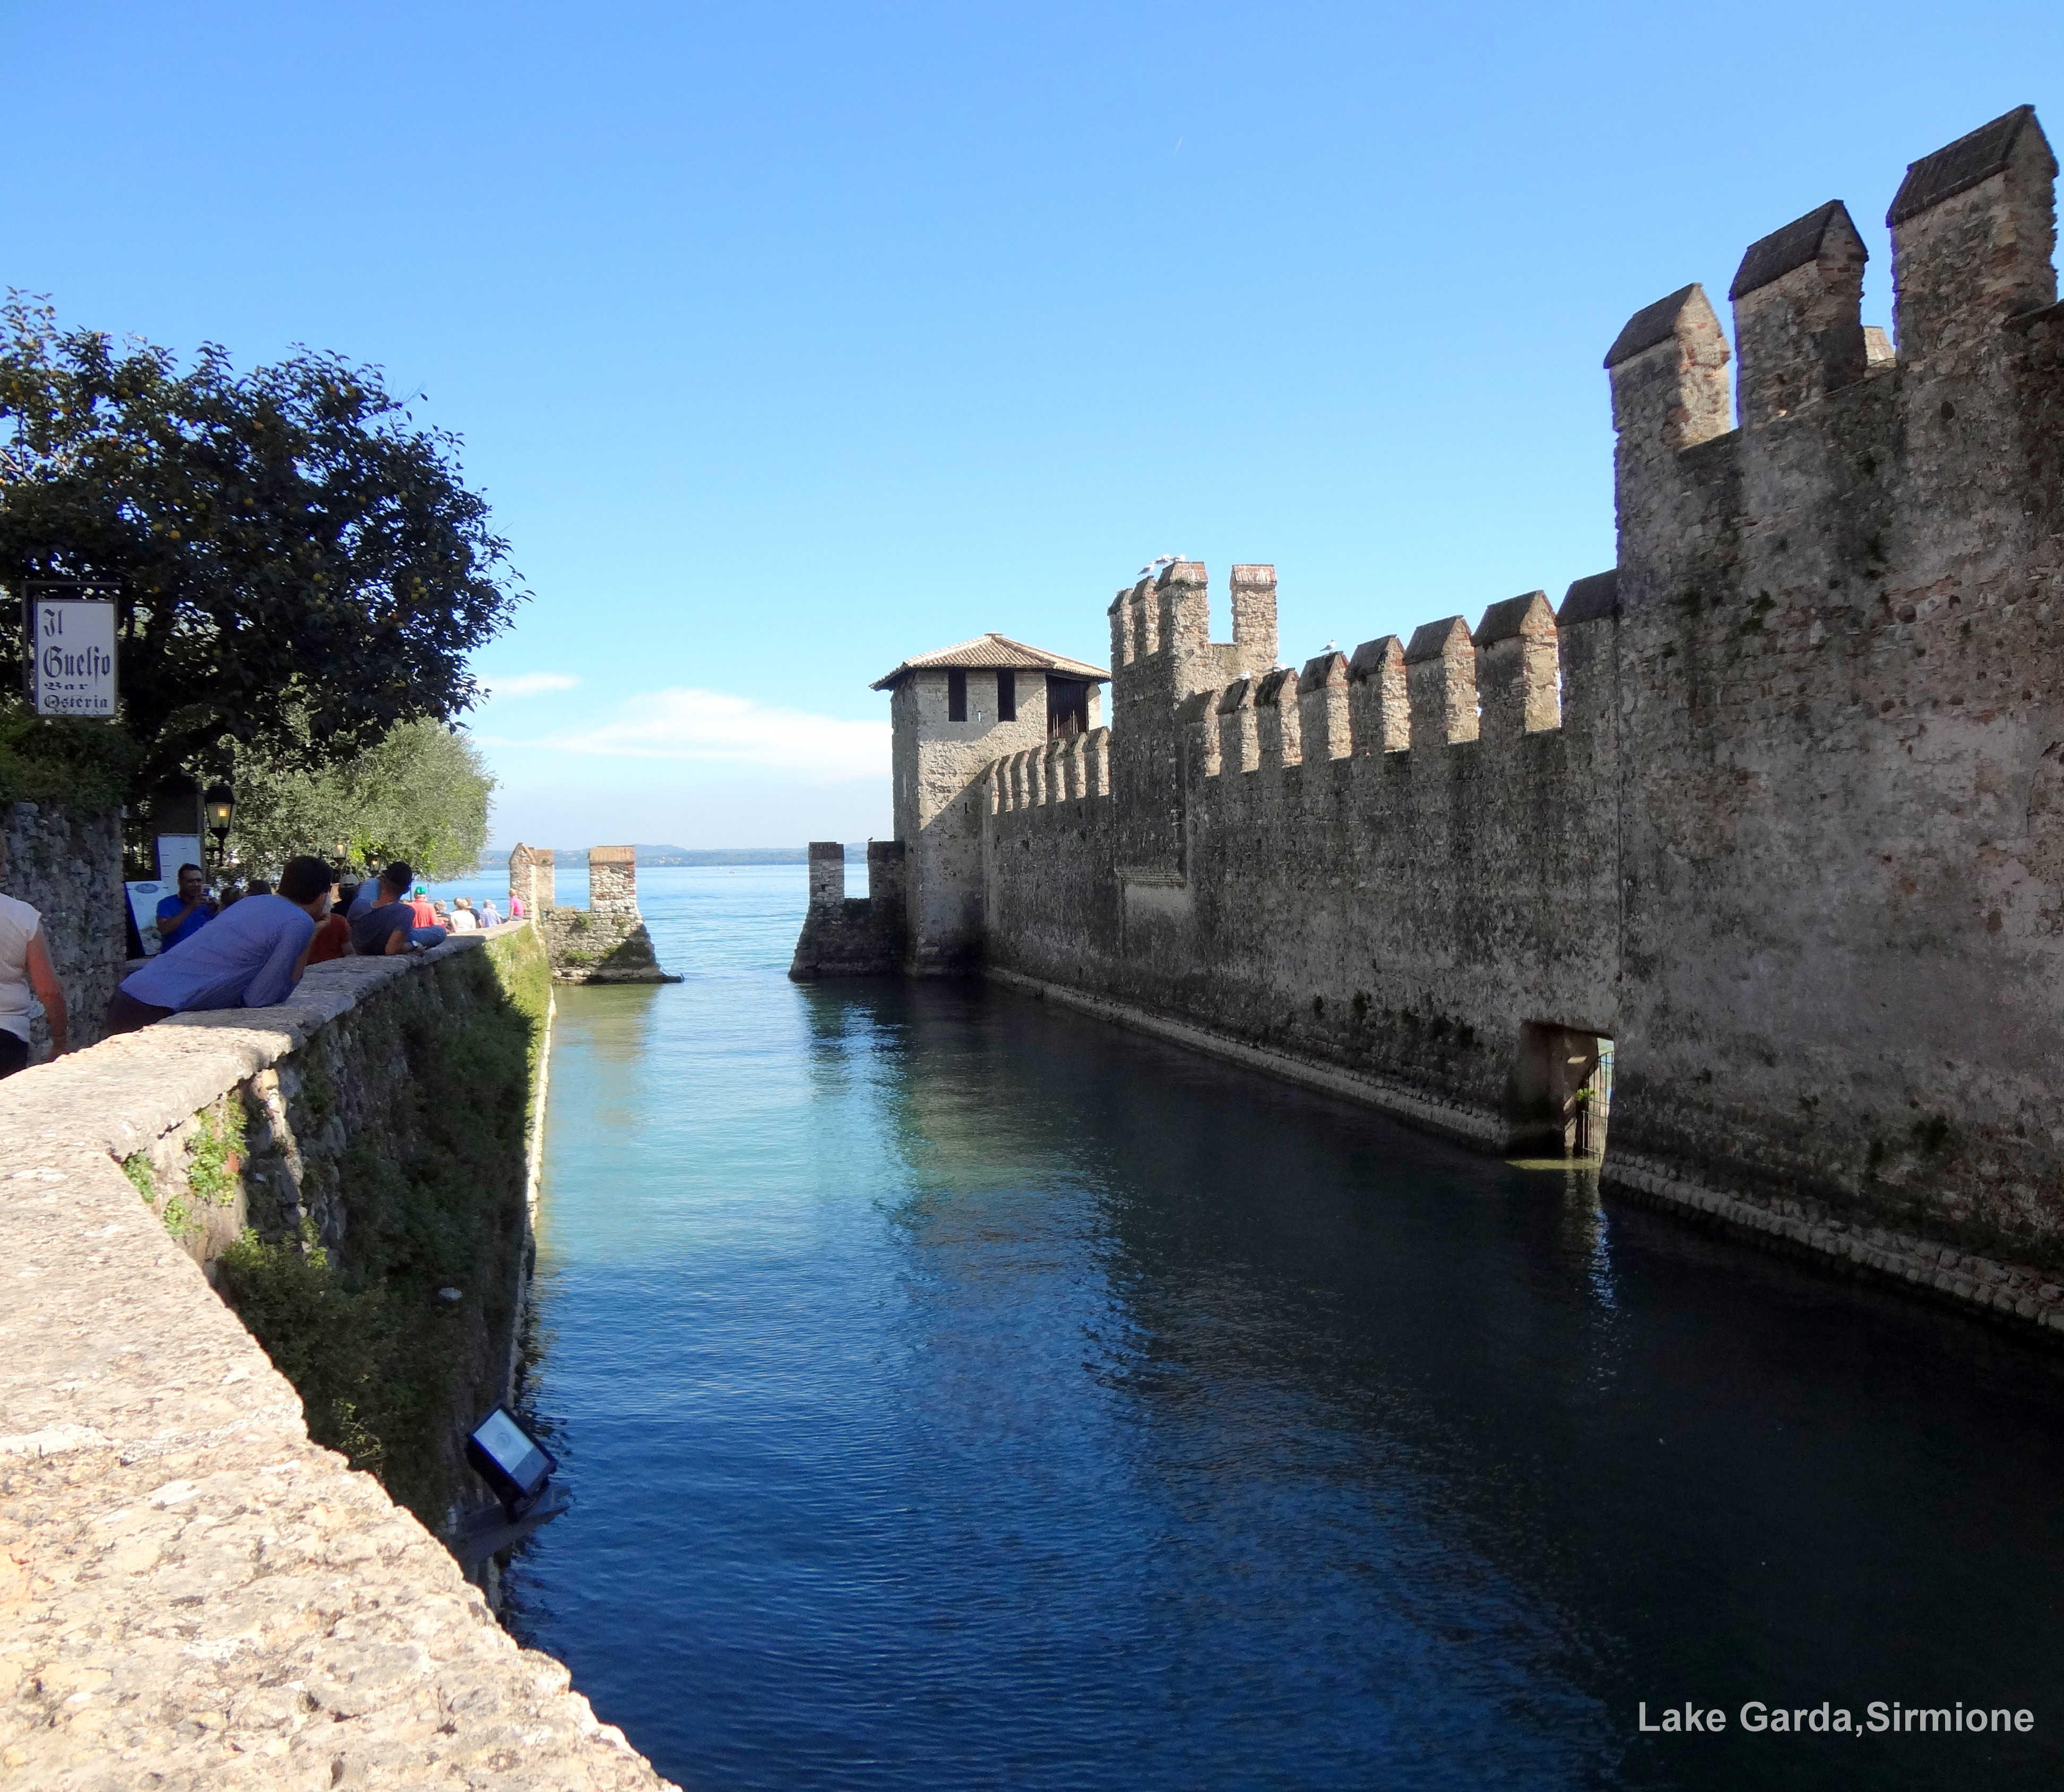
column 219, row 804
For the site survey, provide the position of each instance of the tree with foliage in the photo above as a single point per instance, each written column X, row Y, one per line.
column 420, row 794
column 299, row 567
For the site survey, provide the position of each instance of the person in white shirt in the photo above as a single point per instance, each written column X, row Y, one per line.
column 463, row 919
column 26, row 977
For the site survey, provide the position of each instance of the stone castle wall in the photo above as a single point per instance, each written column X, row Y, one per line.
column 1776, row 805
column 1405, row 914
column 68, row 867
column 605, row 942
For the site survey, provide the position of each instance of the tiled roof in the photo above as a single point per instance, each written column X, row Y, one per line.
column 993, row 652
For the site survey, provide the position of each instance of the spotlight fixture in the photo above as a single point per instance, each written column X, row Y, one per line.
column 510, row 1460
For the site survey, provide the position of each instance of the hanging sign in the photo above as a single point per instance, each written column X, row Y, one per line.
column 71, row 655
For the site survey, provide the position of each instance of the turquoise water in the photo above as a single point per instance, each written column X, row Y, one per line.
column 954, row 1393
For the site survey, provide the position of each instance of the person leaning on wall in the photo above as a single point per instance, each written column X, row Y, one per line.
column 250, row 956
column 390, row 926
column 332, row 938
column 26, row 979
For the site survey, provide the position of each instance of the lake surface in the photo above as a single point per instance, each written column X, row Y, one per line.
column 956, row 1393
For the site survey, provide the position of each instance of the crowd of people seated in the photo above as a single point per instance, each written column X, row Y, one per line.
column 245, row 948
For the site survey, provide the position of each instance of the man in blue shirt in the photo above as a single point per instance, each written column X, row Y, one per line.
column 390, row 926
column 181, row 917
column 251, row 956
column 367, row 897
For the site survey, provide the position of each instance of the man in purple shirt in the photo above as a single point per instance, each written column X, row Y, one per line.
column 251, row 956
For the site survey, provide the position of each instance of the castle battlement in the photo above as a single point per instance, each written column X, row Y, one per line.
column 1499, row 682
column 1775, row 805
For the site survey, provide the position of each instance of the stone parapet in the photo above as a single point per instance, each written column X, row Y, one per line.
column 196, row 1593
column 605, row 942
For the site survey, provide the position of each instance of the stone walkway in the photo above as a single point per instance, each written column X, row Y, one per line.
column 192, row 1594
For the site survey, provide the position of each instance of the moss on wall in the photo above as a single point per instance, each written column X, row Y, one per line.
column 383, row 1279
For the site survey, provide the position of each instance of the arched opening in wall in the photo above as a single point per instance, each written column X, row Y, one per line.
column 1561, row 1099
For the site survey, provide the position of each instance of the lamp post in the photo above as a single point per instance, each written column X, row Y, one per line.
column 219, row 804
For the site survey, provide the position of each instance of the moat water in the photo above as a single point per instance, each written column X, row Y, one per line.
column 956, row 1393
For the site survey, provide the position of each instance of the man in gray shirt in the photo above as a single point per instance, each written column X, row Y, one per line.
column 250, row 957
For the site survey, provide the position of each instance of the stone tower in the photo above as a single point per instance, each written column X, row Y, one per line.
column 953, row 713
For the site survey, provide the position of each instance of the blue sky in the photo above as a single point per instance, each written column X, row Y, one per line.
column 788, row 340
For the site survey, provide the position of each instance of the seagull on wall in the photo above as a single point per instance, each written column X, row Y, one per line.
column 1153, row 567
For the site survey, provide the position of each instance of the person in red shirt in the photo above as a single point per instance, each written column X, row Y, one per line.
column 332, row 938
column 425, row 916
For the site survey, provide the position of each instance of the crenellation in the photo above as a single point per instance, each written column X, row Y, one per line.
column 1184, row 596
column 1277, row 739
column 1239, row 738
column 1323, row 728
column 1587, row 657
column 1974, row 233
column 853, row 936
column 1254, row 616
column 1798, row 306
column 533, row 873
column 1669, row 372
column 1517, row 668
column 1121, row 628
column 1379, row 705
column 827, row 872
column 1440, row 683
column 1145, row 607
column 1075, row 753
column 1096, row 747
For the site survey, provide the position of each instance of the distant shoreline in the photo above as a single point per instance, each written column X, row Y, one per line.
column 855, row 853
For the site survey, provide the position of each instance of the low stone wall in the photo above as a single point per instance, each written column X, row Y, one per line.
column 68, row 867
column 194, row 1592
column 853, row 936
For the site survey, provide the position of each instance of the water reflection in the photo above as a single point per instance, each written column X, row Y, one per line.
column 958, row 1393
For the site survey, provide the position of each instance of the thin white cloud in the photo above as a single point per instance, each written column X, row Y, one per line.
column 529, row 684
column 721, row 728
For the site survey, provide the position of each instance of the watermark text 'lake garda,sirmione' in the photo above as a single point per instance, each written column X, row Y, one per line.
column 1880, row 1718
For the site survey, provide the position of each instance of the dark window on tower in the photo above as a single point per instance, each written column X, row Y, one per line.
column 956, row 696
column 1067, row 707
column 1006, row 696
